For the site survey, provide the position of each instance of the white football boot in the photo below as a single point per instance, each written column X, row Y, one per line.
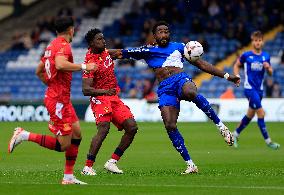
column 111, row 166
column 72, row 180
column 228, row 136
column 191, row 168
column 16, row 139
column 273, row 145
column 88, row 171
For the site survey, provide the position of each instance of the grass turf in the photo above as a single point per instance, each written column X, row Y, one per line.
column 150, row 165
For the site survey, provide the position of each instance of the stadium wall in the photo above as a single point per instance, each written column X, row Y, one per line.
column 228, row 110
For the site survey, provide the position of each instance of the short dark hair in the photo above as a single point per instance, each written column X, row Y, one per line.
column 160, row 23
column 61, row 24
column 91, row 35
column 256, row 34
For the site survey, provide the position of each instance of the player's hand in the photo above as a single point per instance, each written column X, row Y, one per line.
column 268, row 68
column 266, row 65
column 91, row 66
column 111, row 92
column 235, row 79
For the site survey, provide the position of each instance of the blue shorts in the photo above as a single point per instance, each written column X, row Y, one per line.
column 170, row 90
column 254, row 97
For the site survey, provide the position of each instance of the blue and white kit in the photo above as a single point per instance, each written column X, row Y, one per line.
column 170, row 89
column 254, row 76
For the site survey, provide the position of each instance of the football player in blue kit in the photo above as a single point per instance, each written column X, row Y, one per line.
column 255, row 63
column 166, row 59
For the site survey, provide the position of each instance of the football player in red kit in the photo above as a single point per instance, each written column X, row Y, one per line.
column 101, row 85
column 55, row 70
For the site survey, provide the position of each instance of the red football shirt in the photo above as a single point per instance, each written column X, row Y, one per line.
column 103, row 76
column 58, row 82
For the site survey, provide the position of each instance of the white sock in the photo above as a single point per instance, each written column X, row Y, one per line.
column 189, row 162
column 268, row 140
column 236, row 134
column 220, row 125
column 68, row 176
column 112, row 160
column 25, row 135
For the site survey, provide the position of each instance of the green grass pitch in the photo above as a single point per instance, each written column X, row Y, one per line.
column 151, row 165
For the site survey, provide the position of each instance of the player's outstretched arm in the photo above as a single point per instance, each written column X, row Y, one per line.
column 115, row 53
column 61, row 63
column 40, row 72
column 209, row 68
column 88, row 90
column 135, row 53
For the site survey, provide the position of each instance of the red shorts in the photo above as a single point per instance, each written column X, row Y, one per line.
column 62, row 115
column 110, row 109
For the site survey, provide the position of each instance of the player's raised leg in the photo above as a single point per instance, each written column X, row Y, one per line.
column 189, row 93
column 60, row 144
column 170, row 115
column 45, row 141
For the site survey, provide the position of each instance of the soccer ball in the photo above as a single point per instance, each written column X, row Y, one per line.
column 193, row 50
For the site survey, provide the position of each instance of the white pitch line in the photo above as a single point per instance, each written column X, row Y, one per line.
column 165, row 185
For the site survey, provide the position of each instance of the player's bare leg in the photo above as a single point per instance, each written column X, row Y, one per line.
column 189, row 93
column 130, row 127
column 96, row 143
column 170, row 116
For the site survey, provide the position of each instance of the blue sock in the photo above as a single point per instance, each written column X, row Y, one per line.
column 178, row 143
column 262, row 127
column 245, row 121
column 202, row 103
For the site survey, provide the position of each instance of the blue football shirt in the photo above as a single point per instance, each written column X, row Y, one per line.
column 157, row 57
column 254, row 69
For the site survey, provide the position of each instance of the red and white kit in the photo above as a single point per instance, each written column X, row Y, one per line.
column 106, row 108
column 57, row 96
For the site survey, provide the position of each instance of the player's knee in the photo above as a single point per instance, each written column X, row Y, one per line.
column 65, row 146
column 76, row 135
column 190, row 95
column 250, row 115
column 261, row 114
column 103, row 129
column 170, row 126
column 104, row 125
column 132, row 130
column 130, row 126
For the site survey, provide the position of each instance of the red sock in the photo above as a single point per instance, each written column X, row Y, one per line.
column 89, row 163
column 117, row 154
column 71, row 155
column 115, row 157
column 44, row 141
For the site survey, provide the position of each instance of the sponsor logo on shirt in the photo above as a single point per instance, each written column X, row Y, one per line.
column 96, row 101
column 256, row 66
column 108, row 62
column 138, row 50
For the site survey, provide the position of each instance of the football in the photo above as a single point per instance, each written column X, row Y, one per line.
column 193, row 50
